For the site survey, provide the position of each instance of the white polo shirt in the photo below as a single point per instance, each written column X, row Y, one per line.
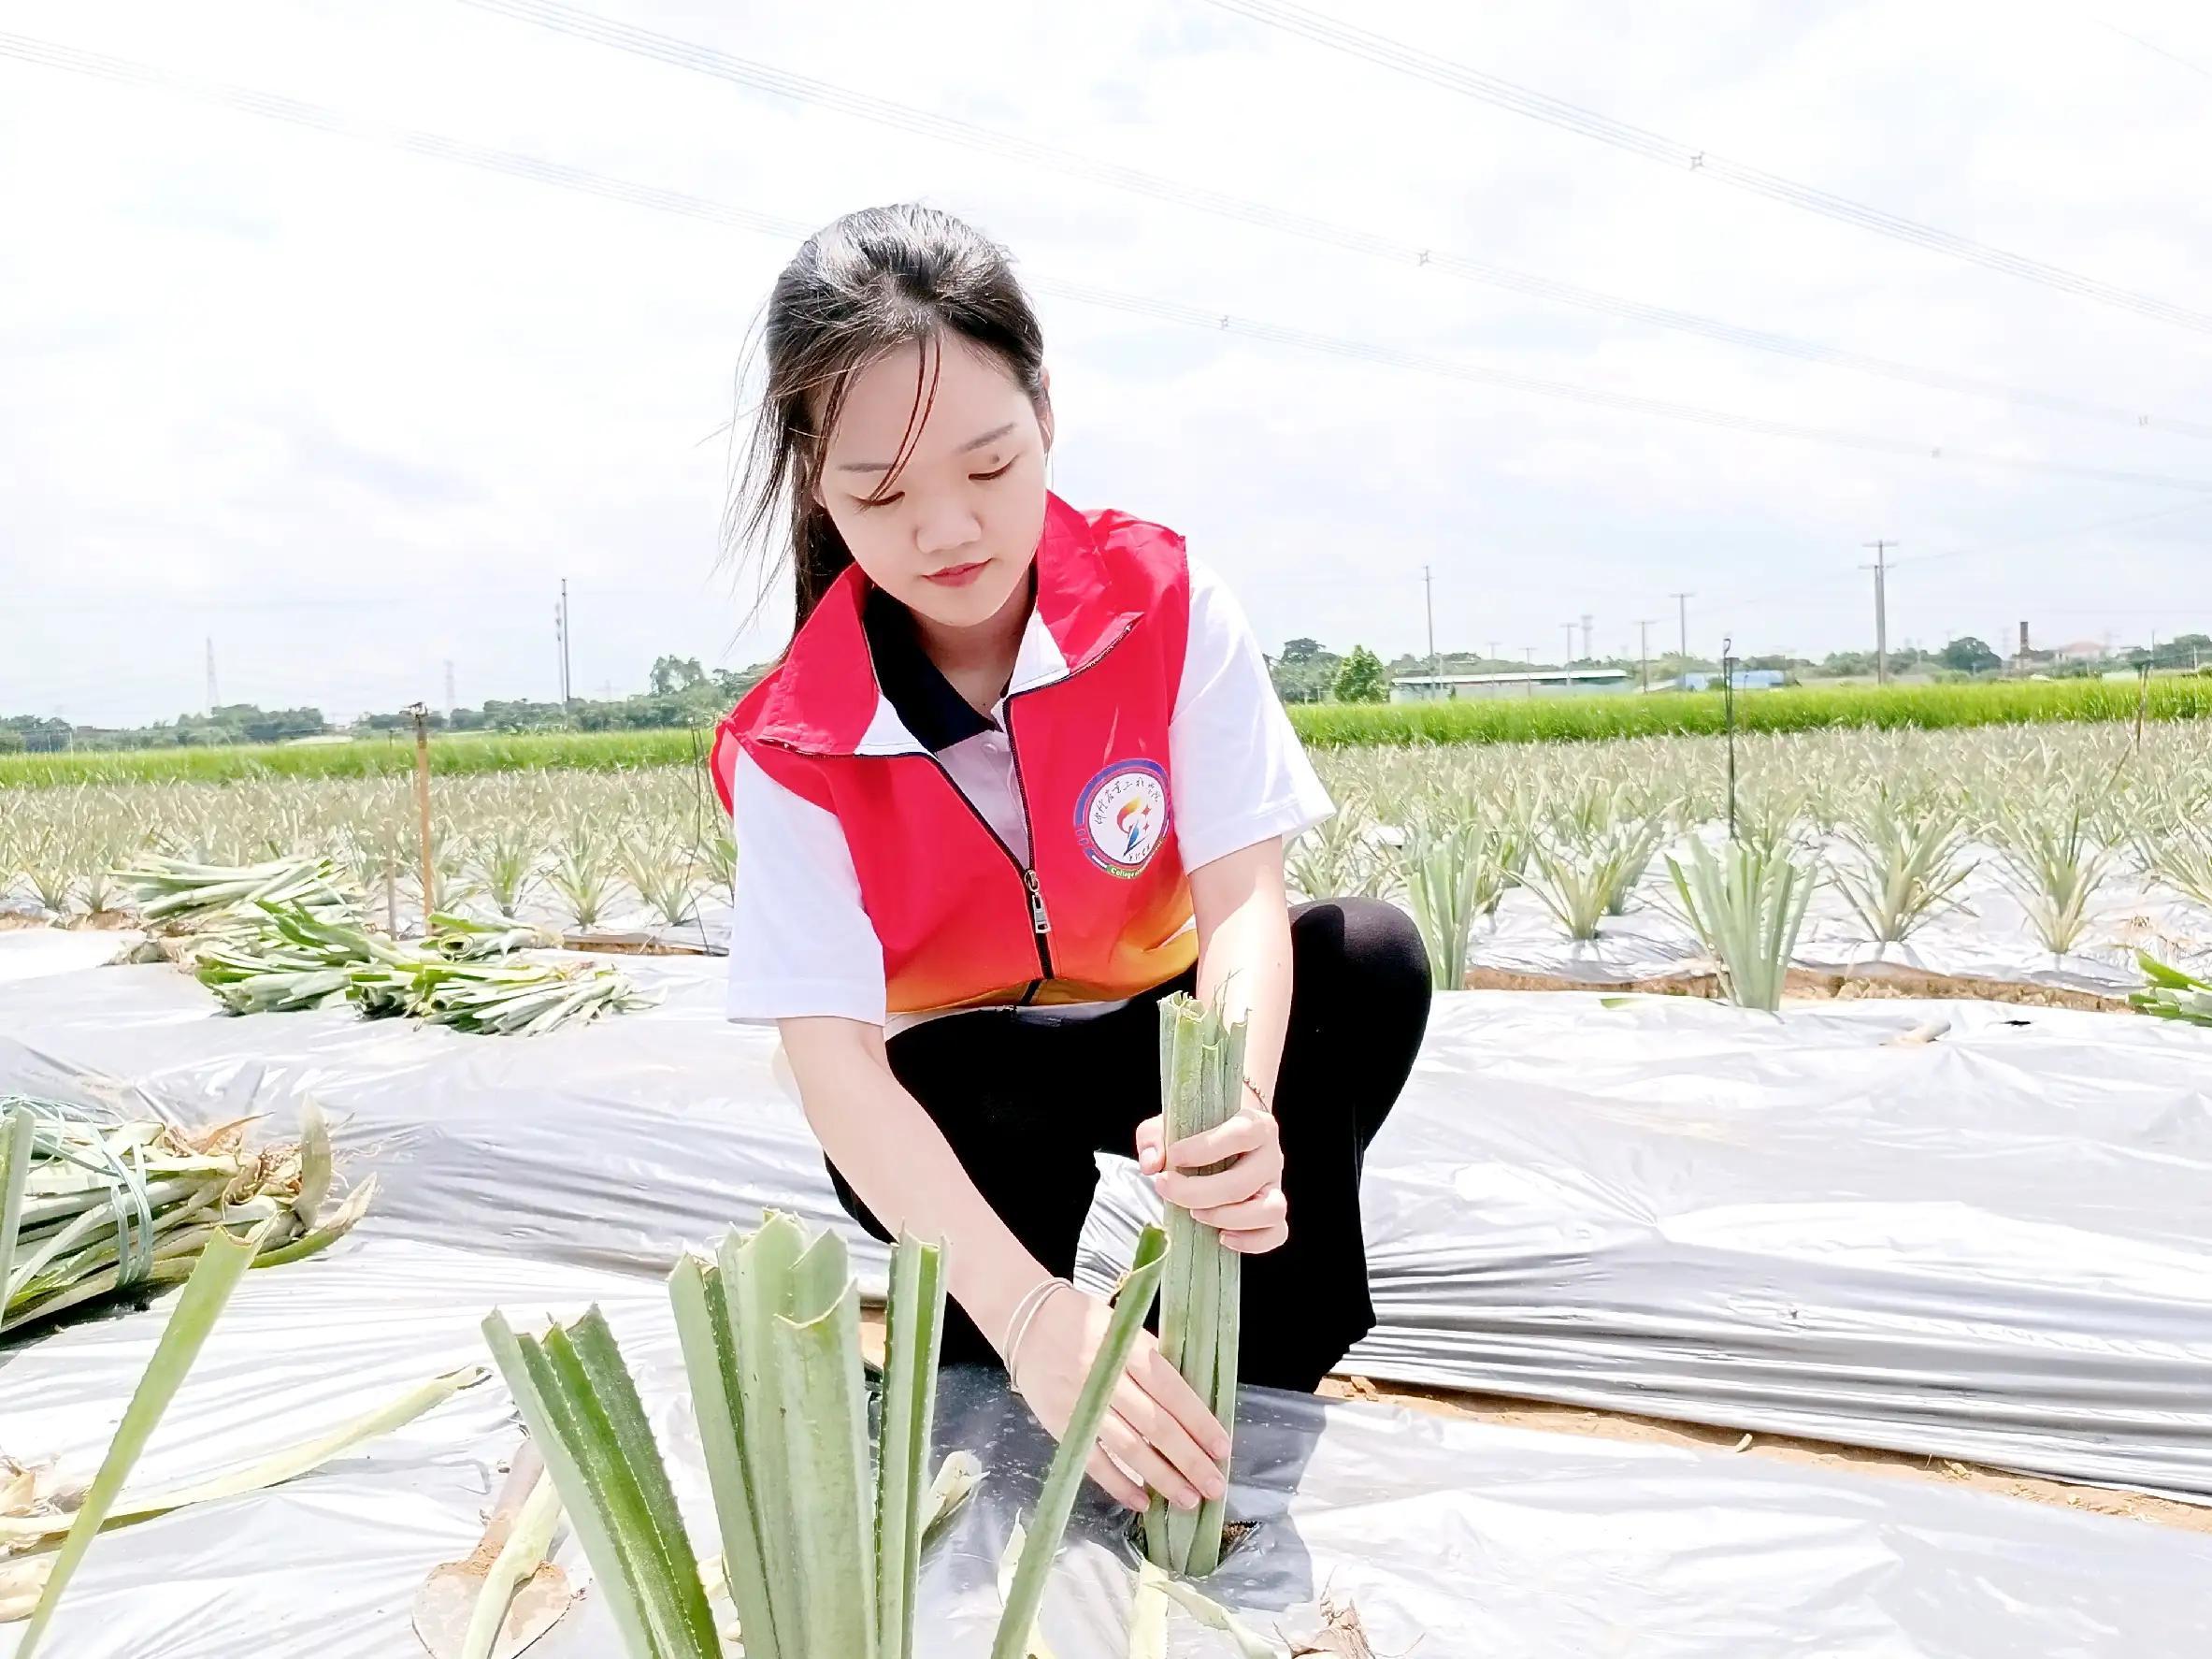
column 800, row 942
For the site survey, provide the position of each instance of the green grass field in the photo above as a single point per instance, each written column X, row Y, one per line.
column 1795, row 708
column 1482, row 720
column 462, row 752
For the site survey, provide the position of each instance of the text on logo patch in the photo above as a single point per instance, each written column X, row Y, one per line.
column 1121, row 815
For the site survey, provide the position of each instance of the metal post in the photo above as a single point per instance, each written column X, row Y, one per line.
column 1727, row 704
column 421, row 716
column 1428, row 600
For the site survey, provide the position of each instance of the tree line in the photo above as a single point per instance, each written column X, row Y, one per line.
column 679, row 692
column 1308, row 671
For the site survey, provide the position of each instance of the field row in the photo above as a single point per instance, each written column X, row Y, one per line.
column 1468, row 721
column 2057, row 829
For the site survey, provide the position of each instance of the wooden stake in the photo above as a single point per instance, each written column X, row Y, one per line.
column 422, row 719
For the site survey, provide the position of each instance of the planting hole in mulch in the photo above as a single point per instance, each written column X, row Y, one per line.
column 1233, row 1535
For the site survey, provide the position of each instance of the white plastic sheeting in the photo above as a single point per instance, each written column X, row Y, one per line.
column 1994, row 1246
column 1986, row 934
column 32, row 953
column 613, row 1145
column 1468, row 1539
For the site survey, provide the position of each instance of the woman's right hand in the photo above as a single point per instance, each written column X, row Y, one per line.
column 1155, row 1427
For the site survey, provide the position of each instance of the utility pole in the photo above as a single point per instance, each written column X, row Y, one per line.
column 1682, row 602
column 1530, row 651
column 450, row 702
column 1494, row 657
column 1585, row 637
column 1570, row 661
column 567, row 634
column 212, row 700
column 1881, row 569
column 560, row 655
column 1644, row 649
column 1428, row 600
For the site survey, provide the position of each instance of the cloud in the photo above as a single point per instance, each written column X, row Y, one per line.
column 354, row 413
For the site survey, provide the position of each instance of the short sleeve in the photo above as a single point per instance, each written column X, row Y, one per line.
column 800, row 942
column 1236, row 769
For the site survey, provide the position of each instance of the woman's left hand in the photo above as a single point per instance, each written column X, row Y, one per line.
column 1245, row 1199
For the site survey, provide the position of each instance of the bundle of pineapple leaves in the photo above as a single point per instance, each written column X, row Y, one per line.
column 92, row 1205
column 2173, row 994
column 281, row 957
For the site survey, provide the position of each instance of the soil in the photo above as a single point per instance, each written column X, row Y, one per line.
column 1615, row 1425
column 104, row 921
column 1814, row 985
column 618, row 947
column 1804, row 985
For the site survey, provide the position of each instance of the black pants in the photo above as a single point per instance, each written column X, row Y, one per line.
column 1026, row 1096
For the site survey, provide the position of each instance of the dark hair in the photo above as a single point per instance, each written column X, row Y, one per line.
column 859, row 288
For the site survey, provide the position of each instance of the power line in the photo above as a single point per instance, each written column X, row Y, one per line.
column 1520, row 100
column 1769, row 596
column 537, row 170
column 1193, row 316
column 2108, row 524
column 2172, row 57
column 705, row 60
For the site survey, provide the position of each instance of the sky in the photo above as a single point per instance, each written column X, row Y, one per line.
column 348, row 406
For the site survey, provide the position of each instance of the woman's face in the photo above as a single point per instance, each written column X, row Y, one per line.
column 953, row 536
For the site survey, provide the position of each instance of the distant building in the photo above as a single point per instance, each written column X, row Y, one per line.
column 2083, row 651
column 1742, row 679
column 1442, row 687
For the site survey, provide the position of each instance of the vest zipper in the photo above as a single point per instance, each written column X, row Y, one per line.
column 1040, row 922
column 1039, row 919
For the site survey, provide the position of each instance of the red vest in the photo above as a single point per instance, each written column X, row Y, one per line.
column 1103, row 908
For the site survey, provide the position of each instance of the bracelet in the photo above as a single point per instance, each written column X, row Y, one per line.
column 1021, row 1310
column 1024, row 1316
column 1258, row 1098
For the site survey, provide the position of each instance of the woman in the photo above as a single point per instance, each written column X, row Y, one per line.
column 1025, row 762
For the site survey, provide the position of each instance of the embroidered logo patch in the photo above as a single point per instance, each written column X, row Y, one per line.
column 1121, row 815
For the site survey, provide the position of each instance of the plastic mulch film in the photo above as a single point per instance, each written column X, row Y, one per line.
column 1990, row 1244
column 1465, row 1539
column 1950, row 1227
column 612, row 1145
column 34, row 953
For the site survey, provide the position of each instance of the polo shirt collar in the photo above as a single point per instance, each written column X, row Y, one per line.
column 824, row 699
column 933, row 712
